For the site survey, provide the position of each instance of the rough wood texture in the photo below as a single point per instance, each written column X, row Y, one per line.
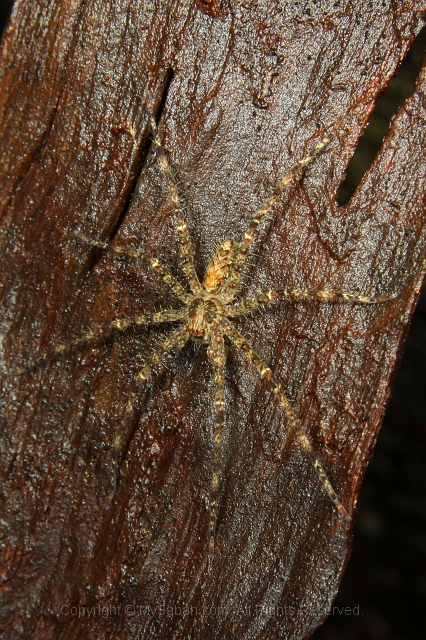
column 254, row 84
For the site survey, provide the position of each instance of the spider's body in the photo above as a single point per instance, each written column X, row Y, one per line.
column 206, row 316
column 207, row 309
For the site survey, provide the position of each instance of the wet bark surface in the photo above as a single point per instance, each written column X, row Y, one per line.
column 244, row 90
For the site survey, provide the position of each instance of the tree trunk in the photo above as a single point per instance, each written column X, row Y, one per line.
column 244, row 90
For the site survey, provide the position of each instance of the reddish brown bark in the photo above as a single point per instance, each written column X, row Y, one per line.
column 247, row 88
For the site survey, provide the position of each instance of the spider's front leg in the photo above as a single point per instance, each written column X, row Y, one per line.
column 185, row 242
column 241, row 343
column 235, row 276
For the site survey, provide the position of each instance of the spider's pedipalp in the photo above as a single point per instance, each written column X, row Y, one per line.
column 216, row 353
column 154, row 263
column 176, row 340
column 241, row 343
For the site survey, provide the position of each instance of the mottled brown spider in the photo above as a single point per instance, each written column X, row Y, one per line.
column 206, row 316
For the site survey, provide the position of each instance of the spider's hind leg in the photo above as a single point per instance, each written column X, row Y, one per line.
column 154, row 263
column 239, row 341
column 176, row 340
column 216, row 353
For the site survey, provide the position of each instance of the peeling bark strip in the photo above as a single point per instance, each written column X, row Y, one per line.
column 255, row 85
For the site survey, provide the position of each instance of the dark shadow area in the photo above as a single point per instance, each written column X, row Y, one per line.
column 5, row 9
column 400, row 88
column 140, row 158
column 384, row 587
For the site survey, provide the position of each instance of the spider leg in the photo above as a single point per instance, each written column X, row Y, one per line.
column 216, row 353
column 174, row 285
column 241, row 343
column 185, row 242
column 176, row 340
column 234, row 279
column 122, row 323
column 250, row 304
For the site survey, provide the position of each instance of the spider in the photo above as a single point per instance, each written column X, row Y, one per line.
column 206, row 317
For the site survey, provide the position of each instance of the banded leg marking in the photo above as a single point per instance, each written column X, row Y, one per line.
column 273, row 296
column 235, row 336
column 176, row 340
column 122, row 323
column 216, row 353
column 185, row 242
column 155, row 264
column 235, row 278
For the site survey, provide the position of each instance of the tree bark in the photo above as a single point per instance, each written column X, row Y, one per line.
column 245, row 89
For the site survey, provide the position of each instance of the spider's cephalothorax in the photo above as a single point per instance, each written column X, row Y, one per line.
column 206, row 315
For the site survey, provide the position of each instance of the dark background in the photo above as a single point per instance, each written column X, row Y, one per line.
column 384, row 586
column 386, row 574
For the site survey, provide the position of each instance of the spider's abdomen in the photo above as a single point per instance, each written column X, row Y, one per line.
column 204, row 316
column 219, row 267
